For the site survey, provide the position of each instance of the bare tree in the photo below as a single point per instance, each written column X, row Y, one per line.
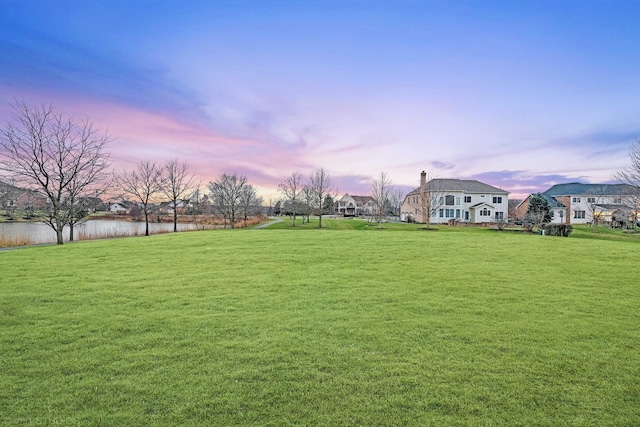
column 178, row 183
column 226, row 193
column 395, row 200
column 381, row 190
column 291, row 189
column 250, row 202
column 321, row 187
column 142, row 183
column 428, row 198
column 306, row 202
column 630, row 174
column 61, row 158
column 596, row 212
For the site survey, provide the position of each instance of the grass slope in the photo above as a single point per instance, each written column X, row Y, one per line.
column 268, row 327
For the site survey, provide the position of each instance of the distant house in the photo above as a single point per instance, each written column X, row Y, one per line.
column 349, row 205
column 93, row 204
column 121, row 208
column 8, row 195
column 20, row 198
column 182, row 206
column 29, row 199
column 578, row 203
column 465, row 200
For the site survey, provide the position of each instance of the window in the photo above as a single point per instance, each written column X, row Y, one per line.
column 485, row 212
column 499, row 215
column 449, row 200
column 441, row 213
column 457, row 201
column 457, row 213
column 466, row 215
column 497, row 199
column 578, row 214
column 467, row 199
column 617, row 200
column 591, row 199
column 576, row 199
column 448, row 213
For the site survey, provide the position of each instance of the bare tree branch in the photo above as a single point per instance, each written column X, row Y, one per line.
column 322, row 187
column 61, row 158
column 227, row 195
column 178, row 183
column 381, row 190
column 142, row 183
column 291, row 189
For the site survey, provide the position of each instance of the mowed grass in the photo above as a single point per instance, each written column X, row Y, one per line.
column 328, row 327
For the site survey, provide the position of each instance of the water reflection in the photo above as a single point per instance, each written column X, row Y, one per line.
column 96, row 229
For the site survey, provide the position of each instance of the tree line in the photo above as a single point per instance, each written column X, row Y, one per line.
column 65, row 159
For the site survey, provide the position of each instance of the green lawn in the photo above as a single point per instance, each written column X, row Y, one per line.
column 399, row 326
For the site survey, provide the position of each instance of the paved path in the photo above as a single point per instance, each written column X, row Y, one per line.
column 266, row 224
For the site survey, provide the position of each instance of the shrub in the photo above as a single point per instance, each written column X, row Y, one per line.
column 562, row 230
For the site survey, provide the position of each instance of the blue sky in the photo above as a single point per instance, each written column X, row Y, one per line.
column 520, row 95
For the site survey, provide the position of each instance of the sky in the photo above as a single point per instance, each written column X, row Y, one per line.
column 521, row 95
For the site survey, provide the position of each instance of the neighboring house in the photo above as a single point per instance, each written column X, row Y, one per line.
column 578, row 203
column 20, row 198
column 30, row 199
column 182, row 206
column 8, row 195
column 123, row 207
column 349, row 205
column 463, row 200
column 93, row 204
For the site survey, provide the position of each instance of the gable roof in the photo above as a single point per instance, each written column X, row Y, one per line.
column 361, row 199
column 464, row 185
column 578, row 188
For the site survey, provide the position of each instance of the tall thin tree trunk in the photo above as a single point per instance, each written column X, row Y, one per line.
column 175, row 218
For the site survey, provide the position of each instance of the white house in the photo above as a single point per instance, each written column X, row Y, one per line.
column 578, row 203
column 122, row 207
column 443, row 200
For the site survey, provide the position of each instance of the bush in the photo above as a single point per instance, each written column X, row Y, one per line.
column 561, row 230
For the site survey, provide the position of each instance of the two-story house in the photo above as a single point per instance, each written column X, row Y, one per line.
column 465, row 200
column 349, row 205
column 578, row 203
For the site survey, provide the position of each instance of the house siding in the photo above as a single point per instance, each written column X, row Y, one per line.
column 454, row 202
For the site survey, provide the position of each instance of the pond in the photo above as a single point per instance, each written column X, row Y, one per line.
column 96, row 229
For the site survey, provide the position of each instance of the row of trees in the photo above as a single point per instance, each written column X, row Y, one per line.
column 230, row 196
column 313, row 196
column 316, row 195
column 65, row 160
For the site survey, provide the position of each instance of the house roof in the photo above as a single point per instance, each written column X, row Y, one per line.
column 464, row 185
column 362, row 199
column 8, row 188
column 578, row 188
column 477, row 205
column 553, row 203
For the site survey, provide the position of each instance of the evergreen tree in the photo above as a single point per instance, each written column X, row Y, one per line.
column 539, row 211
